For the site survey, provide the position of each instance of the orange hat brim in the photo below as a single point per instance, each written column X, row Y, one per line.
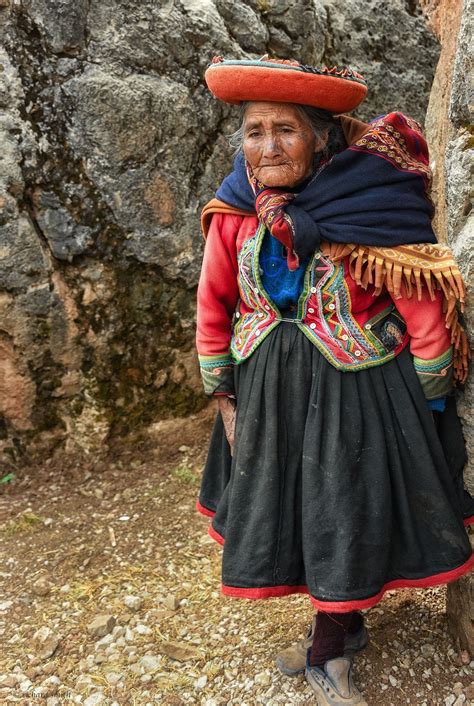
column 237, row 81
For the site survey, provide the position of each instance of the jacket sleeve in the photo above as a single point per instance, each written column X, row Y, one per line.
column 217, row 298
column 430, row 341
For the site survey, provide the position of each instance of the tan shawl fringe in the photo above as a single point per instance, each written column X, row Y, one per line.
column 411, row 268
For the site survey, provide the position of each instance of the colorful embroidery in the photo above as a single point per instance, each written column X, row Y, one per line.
column 217, row 373
column 398, row 139
column 262, row 317
column 435, row 375
column 336, row 71
column 391, row 335
column 335, row 333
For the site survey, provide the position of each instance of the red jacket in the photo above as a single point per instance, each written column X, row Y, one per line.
column 350, row 326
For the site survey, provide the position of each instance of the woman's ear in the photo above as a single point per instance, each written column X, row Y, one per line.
column 321, row 141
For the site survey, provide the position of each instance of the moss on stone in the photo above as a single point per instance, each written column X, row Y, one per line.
column 143, row 328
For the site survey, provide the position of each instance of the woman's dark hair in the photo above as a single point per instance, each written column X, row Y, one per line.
column 319, row 120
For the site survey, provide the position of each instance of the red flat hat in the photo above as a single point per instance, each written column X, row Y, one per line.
column 338, row 90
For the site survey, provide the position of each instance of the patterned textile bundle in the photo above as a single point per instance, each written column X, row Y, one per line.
column 370, row 201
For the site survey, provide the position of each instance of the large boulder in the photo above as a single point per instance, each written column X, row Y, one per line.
column 110, row 145
column 449, row 121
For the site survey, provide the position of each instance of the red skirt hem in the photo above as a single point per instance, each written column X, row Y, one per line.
column 203, row 510
column 215, row 535
column 469, row 520
column 343, row 606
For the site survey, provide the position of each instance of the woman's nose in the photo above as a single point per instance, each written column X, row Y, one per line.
column 271, row 147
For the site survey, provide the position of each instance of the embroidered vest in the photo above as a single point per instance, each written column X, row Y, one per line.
column 324, row 314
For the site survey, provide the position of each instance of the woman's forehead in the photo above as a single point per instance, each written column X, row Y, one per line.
column 278, row 112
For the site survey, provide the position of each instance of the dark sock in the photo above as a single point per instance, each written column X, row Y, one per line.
column 329, row 636
column 356, row 622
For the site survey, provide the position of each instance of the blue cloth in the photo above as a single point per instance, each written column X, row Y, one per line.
column 437, row 405
column 281, row 284
column 359, row 197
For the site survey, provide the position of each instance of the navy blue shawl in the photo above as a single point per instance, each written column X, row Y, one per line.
column 373, row 193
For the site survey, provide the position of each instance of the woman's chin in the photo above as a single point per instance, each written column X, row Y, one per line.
column 275, row 181
column 276, row 178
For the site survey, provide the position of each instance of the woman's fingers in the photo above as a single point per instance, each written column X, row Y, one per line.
column 228, row 410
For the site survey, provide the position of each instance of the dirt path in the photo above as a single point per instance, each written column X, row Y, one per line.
column 120, row 537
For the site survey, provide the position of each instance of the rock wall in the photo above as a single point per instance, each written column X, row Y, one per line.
column 449, row 123
column 110, row 145
column 450, row 131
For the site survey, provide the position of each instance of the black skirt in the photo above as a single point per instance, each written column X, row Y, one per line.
column 339, row 486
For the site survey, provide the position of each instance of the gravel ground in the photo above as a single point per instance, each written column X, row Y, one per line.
column 110, row 595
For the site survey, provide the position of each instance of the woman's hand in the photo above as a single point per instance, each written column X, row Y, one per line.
column 227, row 408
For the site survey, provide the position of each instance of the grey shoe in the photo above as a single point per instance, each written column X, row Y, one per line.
column 333, row 685
column 292, row 661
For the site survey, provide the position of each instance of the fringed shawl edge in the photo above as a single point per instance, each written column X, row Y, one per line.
column 413, row 267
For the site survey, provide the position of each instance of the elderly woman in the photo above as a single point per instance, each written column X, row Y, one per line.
column 328, row 331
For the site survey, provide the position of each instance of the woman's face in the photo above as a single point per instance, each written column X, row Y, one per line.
column 279, row 143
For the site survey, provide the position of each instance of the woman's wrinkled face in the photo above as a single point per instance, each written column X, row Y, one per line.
column 279, row 143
